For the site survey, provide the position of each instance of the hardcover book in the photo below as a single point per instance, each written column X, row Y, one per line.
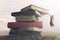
column 24, row 24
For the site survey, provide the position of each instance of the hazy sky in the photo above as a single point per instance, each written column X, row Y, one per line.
column 8, row 6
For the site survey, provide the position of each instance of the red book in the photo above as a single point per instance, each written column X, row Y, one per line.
column 24, row 24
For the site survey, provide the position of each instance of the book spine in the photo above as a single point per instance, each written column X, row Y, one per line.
column 26, row 18
column 24, row 24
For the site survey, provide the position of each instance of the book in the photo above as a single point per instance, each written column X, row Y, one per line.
column 23, row 30
column 25, row 24
column 42, row 11
column 26, row 18
column 27, row 12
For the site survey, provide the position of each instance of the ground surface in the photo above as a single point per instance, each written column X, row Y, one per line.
column 28, row 36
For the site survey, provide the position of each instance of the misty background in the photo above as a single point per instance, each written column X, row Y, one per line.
column 8, row 6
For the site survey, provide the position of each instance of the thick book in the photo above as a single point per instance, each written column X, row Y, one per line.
column 27, row 12
column 25, row 24
column 26, row 18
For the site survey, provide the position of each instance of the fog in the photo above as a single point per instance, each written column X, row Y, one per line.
column 8, row 6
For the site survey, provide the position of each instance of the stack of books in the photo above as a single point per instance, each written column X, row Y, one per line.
column 27, row 17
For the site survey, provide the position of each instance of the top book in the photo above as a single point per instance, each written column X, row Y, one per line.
column 41, row 10
column 31, row 10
